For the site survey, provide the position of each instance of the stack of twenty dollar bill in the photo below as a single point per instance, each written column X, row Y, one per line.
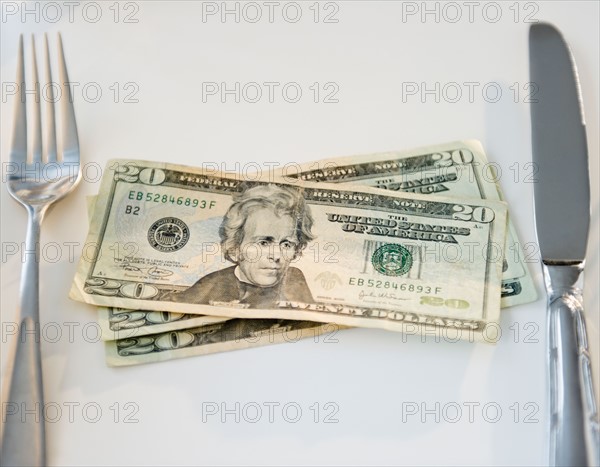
column 190, row 261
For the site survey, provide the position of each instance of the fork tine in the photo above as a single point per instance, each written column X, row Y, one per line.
column 70, row 140
column 50, row 119
column 36, row 149
column 18, row 151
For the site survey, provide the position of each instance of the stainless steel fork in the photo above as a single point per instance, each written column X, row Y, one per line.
column 36, row 181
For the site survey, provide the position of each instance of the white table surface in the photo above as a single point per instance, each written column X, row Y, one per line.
column 157, row 414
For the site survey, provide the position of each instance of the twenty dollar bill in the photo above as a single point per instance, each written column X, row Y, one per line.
column 175, row 238
column 120, row 323
column 458, row 169
column 235, row 334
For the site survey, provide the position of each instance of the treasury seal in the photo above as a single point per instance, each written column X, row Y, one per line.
column 392, row 260
column 168, row 234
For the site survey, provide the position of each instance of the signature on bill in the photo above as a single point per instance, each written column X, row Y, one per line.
column 154, row 272
column 371, row 295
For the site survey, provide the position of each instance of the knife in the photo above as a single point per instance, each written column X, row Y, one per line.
column 562, row 192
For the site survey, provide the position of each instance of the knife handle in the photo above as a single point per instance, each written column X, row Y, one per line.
column 573, row 412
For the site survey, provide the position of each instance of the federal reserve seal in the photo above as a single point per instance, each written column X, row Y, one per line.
column 392, row 260
column 168, row 234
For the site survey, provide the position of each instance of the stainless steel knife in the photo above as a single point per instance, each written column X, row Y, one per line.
column 562, row 217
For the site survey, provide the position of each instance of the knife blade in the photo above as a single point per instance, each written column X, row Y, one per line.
column 562, row 193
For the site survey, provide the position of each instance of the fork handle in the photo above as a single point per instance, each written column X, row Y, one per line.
column 24, row 440
column 573, row 413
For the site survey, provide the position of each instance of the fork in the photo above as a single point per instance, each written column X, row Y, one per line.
column 36, row 182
